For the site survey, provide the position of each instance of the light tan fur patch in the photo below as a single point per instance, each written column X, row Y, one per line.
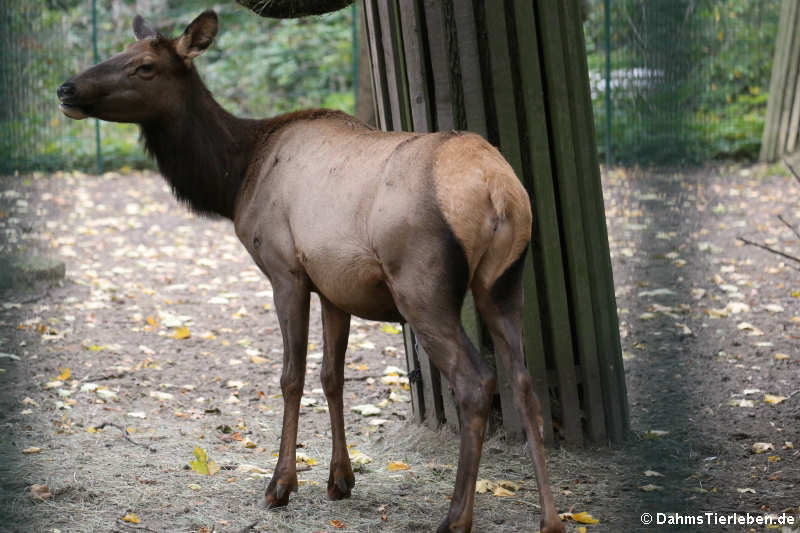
column 484, row 203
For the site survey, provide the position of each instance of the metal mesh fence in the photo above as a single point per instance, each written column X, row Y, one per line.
column 34, row 50
column 687, row 79
column 256, row 68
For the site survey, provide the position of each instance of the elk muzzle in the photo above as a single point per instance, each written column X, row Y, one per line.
column 66, row 93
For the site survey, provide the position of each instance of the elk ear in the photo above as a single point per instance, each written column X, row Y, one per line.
column 142, row 29
column 197, row 36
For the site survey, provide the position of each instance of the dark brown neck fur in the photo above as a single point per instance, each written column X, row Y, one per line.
column 203, row 151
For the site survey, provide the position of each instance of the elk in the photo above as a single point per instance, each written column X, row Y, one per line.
column 384, row 226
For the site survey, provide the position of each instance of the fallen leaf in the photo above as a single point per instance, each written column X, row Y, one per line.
column 337, row 524
column 773, row 399
column 394, row 466
column 201, row 464
column 739, row 402
column 161, row 396
column 653, row 473
column 781, row 357
column 761, row 447
column 746, row 490
column 131, row 518
column 584, row 518
column 389, row 328
column 64, row 375
column 181, row 333
column 40, row 492
column 32, row 449
column 366, row 409
column 305, row 459
column 651, row 488
column 655, row 433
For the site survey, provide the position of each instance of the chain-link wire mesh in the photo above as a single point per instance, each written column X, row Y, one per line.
column 256, row 68
column 34, row 45
column 688, row 78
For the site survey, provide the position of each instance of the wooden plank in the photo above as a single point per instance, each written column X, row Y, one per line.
column 378, row 69
column 777, row 84
column 412, row 363
column 790, row 83
column 443, row 120
column 417, row 74
column 432, row 387
column 533, row 343
column 607, row 371
column 559, row 94
column 398, row 50
column 546, row 246
column 591, row 219
column 393, row 83
column 792, row 90
column 506, row 119
column 468, row 56
column 440, row 89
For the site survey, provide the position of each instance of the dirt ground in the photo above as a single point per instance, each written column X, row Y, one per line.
column 161, row 338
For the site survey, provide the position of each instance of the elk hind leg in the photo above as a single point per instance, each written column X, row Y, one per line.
column 500, row 307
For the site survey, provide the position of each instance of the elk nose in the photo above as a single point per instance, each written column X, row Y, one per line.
column 66, row 90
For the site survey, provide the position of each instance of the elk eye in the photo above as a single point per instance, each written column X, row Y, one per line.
column 147, row 68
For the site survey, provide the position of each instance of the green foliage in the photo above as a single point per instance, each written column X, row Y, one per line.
column 690, row 77
column 257, row 67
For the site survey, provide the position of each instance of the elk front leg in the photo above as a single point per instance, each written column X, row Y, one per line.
column 291, row 305
column 336, row 327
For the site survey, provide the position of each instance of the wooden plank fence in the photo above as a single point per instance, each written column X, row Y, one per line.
column 515, row 72
column 783, row 106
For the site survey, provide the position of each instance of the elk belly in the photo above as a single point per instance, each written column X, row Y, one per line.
column 352, row 282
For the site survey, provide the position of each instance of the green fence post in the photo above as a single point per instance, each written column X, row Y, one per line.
column 96, row 60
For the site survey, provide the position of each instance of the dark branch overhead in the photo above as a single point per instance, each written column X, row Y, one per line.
column 286, row 9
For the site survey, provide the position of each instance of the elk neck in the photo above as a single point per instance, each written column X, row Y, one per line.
column 202, row 150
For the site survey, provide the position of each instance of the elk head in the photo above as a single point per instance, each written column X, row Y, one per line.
column 146, row 82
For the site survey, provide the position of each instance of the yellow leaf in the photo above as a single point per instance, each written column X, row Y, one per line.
column 65, row 374
column 201, row 464
column 502, row 492
column 181, row 333
column 774, row 458
column 781, row 357
column 510, row 485
column 773, row 400
column 258, row 360
column 96, row 348
column 152, row 321
column 91, row 429
column 484, row 485
column 584, row 518
column 394, row 466
column 795, row 294
column 32, row 449
column 337, row 524
column 389, row 328
column 131, row 518
column 582, row 529
column 303, row 458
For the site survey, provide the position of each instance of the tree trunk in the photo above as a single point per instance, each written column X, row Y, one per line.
column 283, row 9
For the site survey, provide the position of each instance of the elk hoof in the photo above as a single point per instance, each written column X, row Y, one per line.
column 278, row 494
column 554, row 527
column 340, row 489
column 445, row 527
